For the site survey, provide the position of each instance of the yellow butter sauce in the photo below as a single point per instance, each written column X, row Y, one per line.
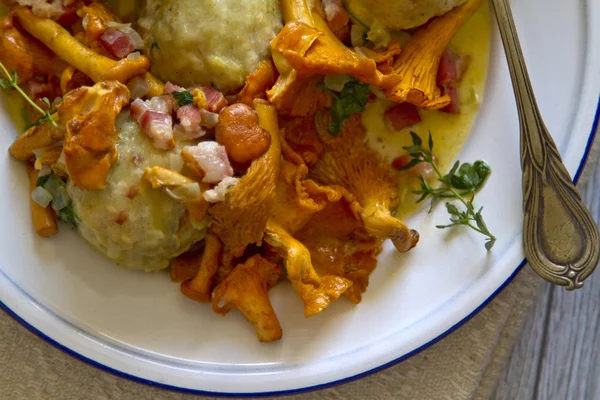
column 449, row 131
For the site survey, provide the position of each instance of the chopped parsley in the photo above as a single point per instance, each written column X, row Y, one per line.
column 351, row 100
column 184, row 98
column 68, row 215
column 154, row 46
column 61, row 203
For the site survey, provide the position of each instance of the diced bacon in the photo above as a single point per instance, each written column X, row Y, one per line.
column 170, row 101
column 158, row 104
column 116, row 43
column 214, row 99
column 211, row 158
column 138, row 108
column 401, row 161
column 37, row 89
column 189, row 123
column 131, row 33
column 454, row 106
column 161, row 104
column 170, row 88
column 189, row 117
column 121, row 218
column 159, row 128
column 452, row 68
column 422, row 169
column 69, row 15
column 401, row 116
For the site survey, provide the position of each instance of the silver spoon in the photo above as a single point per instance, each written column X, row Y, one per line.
column 560, row 236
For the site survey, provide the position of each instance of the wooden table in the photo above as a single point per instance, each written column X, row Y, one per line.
column 558, row 354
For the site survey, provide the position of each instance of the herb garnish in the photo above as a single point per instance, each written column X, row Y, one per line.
column 11, row 81
column 68, row 215
column 184, row 98
column 61, row 203
column 461, row 183
column 154, row 46
column 351, row 100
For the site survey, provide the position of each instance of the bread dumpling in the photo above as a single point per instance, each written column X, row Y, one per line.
column 207, row 42
column 129, row 222
column 399, row 14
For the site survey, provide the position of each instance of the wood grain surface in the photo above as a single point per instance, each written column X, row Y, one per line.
column 558, row 354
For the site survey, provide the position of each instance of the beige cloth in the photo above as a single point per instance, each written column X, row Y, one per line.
column 462, row 366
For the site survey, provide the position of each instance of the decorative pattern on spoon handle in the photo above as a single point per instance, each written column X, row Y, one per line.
column 560, row 236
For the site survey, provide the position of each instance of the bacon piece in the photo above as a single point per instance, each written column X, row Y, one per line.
column 452, row 68
column 401, row 116
column 116, row 43
column 36, row 89
column 170, row 88
column 159, row 128
column 189, row 123
column 215, row 99
column 138, row 108
column 450, row 73
column 158, row 104
column 454, row 106
column 208, row 159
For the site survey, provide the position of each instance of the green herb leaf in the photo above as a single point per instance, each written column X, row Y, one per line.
column 154, row 46
column 42, row 180
column 416, row 139
column 471, row 177
column 69, row 216
column 12, row 81
column 184, row 98
column 461, row 183
column 411, row 164
column 352, row 99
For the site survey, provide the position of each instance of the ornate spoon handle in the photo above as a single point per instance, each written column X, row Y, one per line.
column 560, row 236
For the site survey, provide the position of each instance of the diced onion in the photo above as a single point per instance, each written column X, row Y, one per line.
column 84, row 21
column 138, row 87
column 217, row 194
column 360, row 53
column 175, row 162
column 377, row 92
column 186, row 193
column 56, row 102
column 38, row 152
column 41, row 196
column 60, row 198
column 357, row 34
column 43, row 170
column 336, row 82
column 209, row 119
column 131, row 33
column 134, row 56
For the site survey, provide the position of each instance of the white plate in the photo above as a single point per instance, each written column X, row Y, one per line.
column 139, row 325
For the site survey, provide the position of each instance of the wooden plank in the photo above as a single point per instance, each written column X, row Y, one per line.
column 518, row 380
column 558, row 354
column 572, row 346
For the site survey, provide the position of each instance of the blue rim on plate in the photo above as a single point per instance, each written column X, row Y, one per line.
column 120, row 374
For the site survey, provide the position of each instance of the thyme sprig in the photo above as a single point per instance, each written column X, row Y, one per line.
column 11, row 81
column 461, row 184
